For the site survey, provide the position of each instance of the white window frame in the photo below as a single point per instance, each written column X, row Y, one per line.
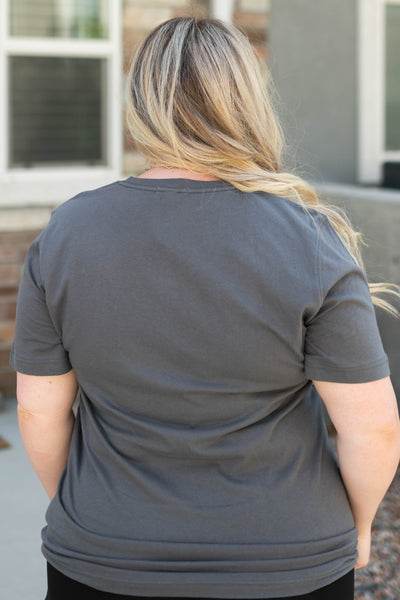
column 51, row 185
column 222, row 9
column 371, row 124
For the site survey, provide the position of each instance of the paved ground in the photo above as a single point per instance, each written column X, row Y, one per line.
column 22, row 507
column 23, row 504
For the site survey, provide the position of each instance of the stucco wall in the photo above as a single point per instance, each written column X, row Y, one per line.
column 312, row 56
column 376, row 214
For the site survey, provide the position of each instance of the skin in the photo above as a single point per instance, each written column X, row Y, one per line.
column 365, row 416
column 46, row 422
column 366, row 419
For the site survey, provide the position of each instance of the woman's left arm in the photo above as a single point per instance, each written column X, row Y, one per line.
column 46, row 422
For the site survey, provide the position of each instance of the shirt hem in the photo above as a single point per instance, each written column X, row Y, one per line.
column 235, row 590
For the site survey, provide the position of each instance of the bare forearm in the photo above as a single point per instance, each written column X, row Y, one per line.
column 47, row 442
column 368, row 467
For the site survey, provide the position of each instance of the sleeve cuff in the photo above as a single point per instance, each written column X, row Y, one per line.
column 321, row 370
column 59, row 367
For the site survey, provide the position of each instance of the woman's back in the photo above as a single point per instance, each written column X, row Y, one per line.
column 182, row 307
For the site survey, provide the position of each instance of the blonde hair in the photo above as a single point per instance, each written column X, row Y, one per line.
column 197, row 100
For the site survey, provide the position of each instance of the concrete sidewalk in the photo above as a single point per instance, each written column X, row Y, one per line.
column 23, row 504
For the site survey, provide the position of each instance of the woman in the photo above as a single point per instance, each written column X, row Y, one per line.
column 193, row 307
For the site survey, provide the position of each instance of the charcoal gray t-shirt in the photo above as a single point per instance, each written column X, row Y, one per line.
column 195, row 317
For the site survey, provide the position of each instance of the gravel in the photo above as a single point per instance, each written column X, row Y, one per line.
column 380, row 579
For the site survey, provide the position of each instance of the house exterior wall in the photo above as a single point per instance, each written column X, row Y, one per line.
column 315, row 76
column 313, row 60
column 376, row 213
column 20, row 226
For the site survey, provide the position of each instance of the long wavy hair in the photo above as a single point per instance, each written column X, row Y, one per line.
column 197, row 99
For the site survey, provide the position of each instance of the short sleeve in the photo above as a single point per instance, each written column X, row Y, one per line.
column 342, row 340
column 37, row 347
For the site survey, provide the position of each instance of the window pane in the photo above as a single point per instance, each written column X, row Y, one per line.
column 392, row 77
column 391, row 175
column 59, row 18
column 57, row 108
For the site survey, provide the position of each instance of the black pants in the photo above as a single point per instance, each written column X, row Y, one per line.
column 61, row 587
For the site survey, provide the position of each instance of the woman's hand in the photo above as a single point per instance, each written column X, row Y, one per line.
column 363, row 549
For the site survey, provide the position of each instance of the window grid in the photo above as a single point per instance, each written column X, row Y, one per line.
column 59, row 18
column 15, row 183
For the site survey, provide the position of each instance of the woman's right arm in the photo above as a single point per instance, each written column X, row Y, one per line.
column 366, row 419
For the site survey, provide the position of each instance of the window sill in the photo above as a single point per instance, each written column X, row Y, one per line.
column 50, row 187
column 344, row 191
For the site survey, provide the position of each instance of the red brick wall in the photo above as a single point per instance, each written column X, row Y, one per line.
column 13, row 248
column 251, row 16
